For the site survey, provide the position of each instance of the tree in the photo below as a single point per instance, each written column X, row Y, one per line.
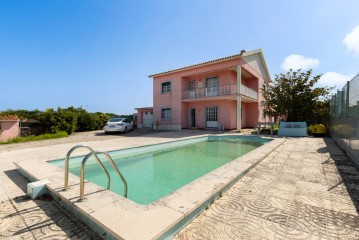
column 60, row 120
column 293, row 95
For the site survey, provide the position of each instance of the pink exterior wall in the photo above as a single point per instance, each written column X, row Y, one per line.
column 140, row 112
column 224, row 77
column 252, row 83
column 257, row 86
column 139, row 117
column 179, row 82
column 167, row 100
column 227, row 108
column 9, row 129
column 253, row 115
column 244, row 114
column 226, row 111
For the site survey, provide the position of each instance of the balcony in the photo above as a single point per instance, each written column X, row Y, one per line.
column 248, row 92
column 223, row 90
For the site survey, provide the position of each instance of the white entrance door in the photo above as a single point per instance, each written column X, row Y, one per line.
column 211, row 117
column 147, row 119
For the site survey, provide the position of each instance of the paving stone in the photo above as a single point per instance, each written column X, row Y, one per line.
column 304, row 190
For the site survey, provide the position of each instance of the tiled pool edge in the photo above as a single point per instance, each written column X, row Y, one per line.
column 65, row 204
column 187, row 216
column 187, row 219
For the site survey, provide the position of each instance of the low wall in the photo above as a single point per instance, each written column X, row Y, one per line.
column 9, row 129
column 293, row 129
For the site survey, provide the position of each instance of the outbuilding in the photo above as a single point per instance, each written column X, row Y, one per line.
column 9, row 127
column 144, row 117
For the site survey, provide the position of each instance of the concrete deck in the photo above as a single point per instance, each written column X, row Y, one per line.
column 305, row 189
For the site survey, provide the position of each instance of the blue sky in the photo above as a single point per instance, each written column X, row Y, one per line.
column 98, row 54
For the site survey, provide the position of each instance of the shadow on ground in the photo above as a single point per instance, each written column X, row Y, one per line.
column 345, row 166
column 22, row 217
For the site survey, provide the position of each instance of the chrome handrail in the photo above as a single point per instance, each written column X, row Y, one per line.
column 67, row 159
column 82, row 172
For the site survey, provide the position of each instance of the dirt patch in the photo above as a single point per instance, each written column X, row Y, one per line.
column 78, row 137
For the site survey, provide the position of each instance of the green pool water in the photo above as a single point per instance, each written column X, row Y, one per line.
column 153, row 172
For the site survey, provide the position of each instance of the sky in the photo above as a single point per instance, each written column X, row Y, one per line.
column 98, row 54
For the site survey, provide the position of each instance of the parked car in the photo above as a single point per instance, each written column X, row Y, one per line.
column 118, row 125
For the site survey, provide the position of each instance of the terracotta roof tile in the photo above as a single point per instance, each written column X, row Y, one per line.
column 200, row 64
column 9, row 117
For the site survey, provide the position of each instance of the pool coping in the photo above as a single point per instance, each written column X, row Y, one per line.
column 115, row 217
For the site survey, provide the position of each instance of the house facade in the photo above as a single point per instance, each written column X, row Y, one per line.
column 220, row 94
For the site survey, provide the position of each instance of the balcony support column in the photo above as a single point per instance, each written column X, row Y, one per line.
column 239, row 100
column 239, row 78
column 239, row 113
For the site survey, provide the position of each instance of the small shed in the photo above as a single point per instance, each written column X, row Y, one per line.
column 9, row 127
column 144, row 117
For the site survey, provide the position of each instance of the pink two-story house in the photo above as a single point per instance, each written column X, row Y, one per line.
column 223, row 93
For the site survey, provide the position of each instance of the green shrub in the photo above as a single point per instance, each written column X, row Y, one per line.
column 61, row 134
column 90, row 121
column 60, row 120
column 69, row 119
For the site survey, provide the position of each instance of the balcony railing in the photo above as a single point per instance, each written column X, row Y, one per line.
column 246, row 91
column 223, row 90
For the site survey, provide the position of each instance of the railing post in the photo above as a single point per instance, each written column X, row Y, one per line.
column 67, row 159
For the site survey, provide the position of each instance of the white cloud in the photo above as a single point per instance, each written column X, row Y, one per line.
column 334, row 79
column 351, row 41
column 296, row 62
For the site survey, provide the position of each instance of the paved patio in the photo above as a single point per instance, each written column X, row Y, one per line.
column 305, row 189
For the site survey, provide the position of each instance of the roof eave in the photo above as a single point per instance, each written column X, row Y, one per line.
column 243, row 54
column 198, row 65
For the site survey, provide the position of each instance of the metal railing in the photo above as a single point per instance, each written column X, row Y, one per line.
column 82, row 169
column 222, row 90
column 82, row 172
column 67, row 159
column 344, row 117
column 246, row 91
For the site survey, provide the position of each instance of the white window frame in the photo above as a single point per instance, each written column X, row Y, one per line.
column 167, row 88
column 166, row 113
column 212, row 116
column 211, row 88
column 192, row 85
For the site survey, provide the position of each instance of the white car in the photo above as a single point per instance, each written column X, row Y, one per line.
column 118, row 125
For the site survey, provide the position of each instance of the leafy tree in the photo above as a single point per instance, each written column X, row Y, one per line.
column 293, row 95
column 88, row 121
column 60, row 120
column 103, row 118
column 321, row 112
column 66, row 119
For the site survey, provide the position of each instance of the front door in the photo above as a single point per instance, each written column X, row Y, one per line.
column 211, row 117
column 192, row 117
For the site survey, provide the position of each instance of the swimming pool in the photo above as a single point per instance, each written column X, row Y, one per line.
column 111, row 215
column 153, row 172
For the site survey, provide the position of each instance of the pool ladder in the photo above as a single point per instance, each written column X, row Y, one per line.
column 82, row 169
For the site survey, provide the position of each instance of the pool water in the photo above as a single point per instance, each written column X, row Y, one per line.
column 158, row 171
